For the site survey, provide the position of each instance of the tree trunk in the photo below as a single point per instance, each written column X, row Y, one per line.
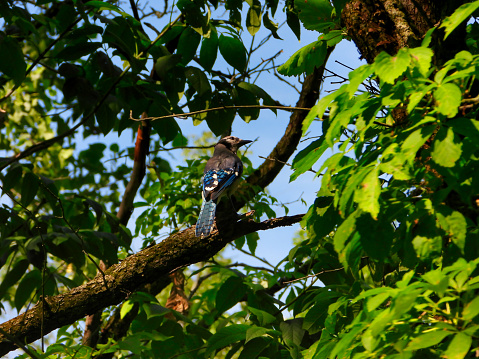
column 388, row 25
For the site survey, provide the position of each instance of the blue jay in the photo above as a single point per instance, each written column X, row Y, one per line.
column 221, row 172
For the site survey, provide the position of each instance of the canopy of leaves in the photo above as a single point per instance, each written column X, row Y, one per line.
column 386, row 265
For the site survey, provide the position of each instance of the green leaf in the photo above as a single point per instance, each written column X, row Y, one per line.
column 221, row 120
column 292, row 331
column 255, row 332
column 461, row 14
column 227, row 336
column 422, row 56
column 471, row 310
column 119, row 35
column 271, row 26
column 342, row 235
column 465, row 126
column 165, row 63
column 209, row 50
column 126, row 308
column 376, row 236
column 427, row 340
column 357, row 76
column 13, row 276
column 30, row 186
column 233, row 51
column 193, row 14
column 367, row 196
column 377, row 300
column 448, row 99
column 264, row 318
column 307, row 157
column 187, row 45
column 292, row 20
column 456, row 226
column 106, row 115
column 259, row 92
column 389, row 68
column 253, row 348
column 319, row 109
column 370, row 341
column 316, row 316
column 305, row 59
column 76, row 51
column 13, row 65
column 102, row 5
column 167, row 128
column 315, row 14
column 244, row 97
column 10, row 180
column 230, row 293
column 447, row 148
column 198, row 80
column 27, row 286
column 253, row 18
column 252, row 241
column 427, row 247
column 458, row 347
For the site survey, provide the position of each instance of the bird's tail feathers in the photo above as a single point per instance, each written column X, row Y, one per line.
column 204, row 225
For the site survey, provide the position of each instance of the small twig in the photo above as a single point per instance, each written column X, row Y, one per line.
column 253, row 255
column 295, row 299
column 287, row 82
column 249, row 266
column 314, row 275
column 309, row 138
column 284, row 163
column 19, row 344
column 339, row 62
column 472, row 100
column 382, row 124
column 261, row 107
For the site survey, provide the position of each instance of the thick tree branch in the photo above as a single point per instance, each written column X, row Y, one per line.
column 138, row 172
column 120, row 280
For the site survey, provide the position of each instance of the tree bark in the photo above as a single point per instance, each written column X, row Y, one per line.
column 388, row 25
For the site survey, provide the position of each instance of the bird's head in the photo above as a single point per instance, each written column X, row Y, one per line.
column 233, row 143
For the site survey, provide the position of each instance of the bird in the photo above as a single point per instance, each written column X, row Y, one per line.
column 221, row 173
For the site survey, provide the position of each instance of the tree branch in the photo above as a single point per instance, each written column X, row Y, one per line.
column 120, row 280
column 261, row 107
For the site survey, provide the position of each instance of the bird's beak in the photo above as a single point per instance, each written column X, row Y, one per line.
column 243, row 142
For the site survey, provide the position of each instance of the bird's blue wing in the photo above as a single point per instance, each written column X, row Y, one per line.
column 216, row 181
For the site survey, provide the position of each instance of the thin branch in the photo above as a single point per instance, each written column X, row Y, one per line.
column 249, row 266
column 253, row 255
column 285, row 163
column 286, row 82
column 261, row 107
column 314, row 275
column 19, row 344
